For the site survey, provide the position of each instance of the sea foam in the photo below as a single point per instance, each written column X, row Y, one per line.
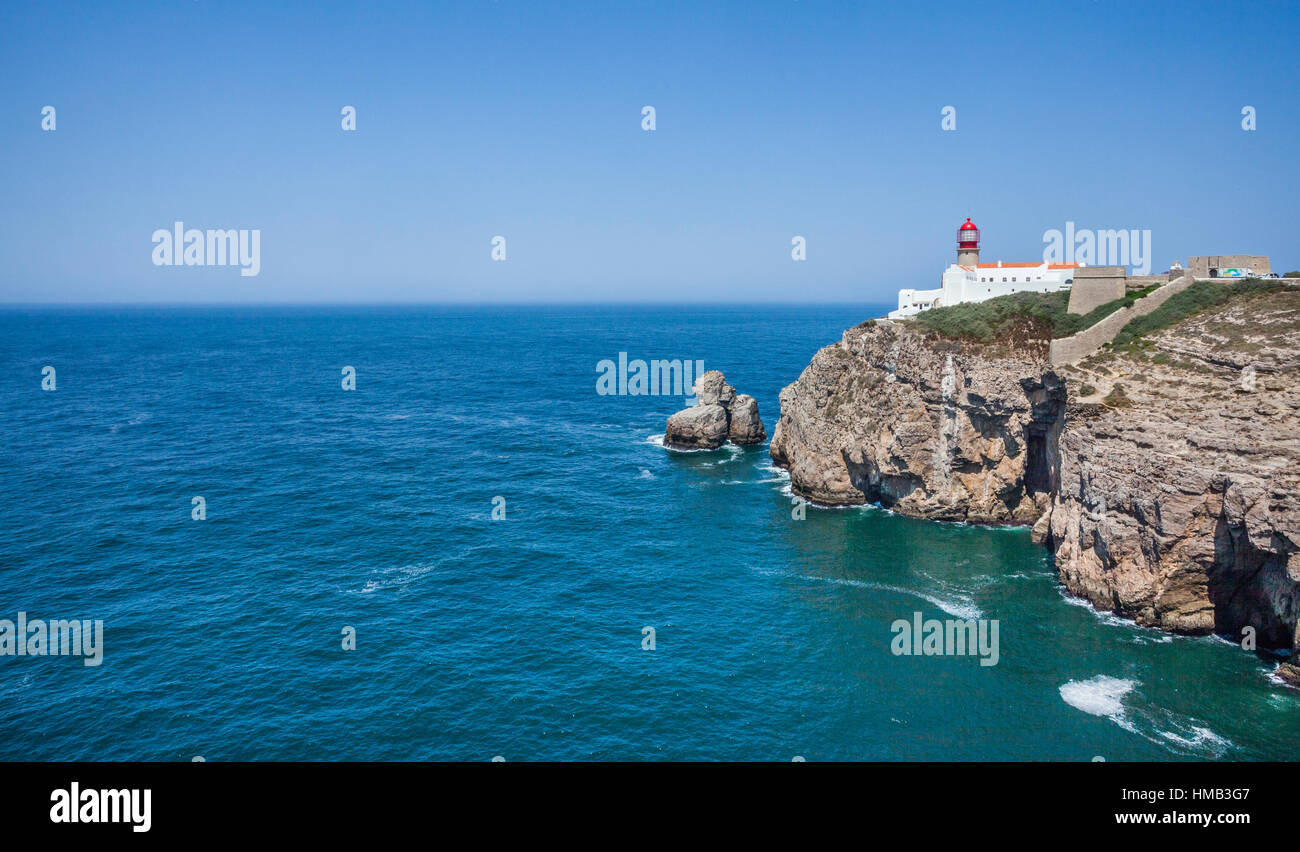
column 1099, row 696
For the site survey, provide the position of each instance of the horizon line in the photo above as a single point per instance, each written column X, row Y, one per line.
column 431, row 304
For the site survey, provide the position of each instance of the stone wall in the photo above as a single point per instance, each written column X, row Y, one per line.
column 1076, row 347
column 1200, row 266
column 1094, row 286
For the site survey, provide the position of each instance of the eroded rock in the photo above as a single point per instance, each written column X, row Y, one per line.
column 701, row 427
column 1181, row 508
column 745, row 427
column 933, row 429
column 719, row 415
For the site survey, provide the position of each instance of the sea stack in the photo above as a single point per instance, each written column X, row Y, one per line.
column 719, row 415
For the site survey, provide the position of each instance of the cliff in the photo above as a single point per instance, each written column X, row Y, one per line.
column 929, row 427
column 1179, row 500
column 1165, row 475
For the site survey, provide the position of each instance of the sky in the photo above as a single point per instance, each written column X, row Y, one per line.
column 524, row 120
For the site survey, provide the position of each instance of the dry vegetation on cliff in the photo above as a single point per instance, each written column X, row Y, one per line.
column 1201, row 296
column 1179, row 502
column 1021, row 318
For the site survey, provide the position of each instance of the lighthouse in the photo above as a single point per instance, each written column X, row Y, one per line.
column 968, row 244
column 968, row 280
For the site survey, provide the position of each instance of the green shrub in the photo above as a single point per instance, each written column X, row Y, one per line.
column 1199, row 297
column 1294, row 273
column 1018, row 316
column 1117, row 398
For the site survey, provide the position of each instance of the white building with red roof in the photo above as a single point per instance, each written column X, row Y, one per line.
column 968, row 280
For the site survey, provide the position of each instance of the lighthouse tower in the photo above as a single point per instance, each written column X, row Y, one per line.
column 968, row 244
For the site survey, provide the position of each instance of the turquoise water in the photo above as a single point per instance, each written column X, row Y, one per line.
column 519, row 637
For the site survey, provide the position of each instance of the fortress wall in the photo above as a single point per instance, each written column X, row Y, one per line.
column 1200, row 266
column 1076, row 347
column 1094, row 286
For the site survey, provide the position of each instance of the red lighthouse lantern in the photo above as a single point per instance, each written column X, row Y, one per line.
column 968, row 245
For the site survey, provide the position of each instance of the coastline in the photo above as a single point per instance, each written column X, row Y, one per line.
column 1124, row 493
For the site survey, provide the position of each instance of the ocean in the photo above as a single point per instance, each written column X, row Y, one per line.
column 365, row 517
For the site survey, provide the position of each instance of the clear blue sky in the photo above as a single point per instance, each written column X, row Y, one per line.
column 524, row 119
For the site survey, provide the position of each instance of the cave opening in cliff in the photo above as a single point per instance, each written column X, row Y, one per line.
column 1251, row 588
column 1038, row 466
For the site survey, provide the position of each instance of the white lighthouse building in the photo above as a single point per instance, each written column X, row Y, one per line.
column 968, row 280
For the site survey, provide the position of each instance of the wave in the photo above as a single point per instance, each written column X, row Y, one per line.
column 733, row 451
column 134, row 421
column 1105, row 696
column 787, row 490
column 1276, row 678
column 957, row 605
column 963, row 608
column 1098, row 696
column 1199, row 738
column 1142, row 634
column 393, row 577
column 658, row 441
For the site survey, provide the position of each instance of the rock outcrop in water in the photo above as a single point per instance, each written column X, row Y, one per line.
column 719, row 415
column 1167, row 483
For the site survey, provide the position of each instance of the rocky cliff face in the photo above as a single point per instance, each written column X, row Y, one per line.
column 1179, row 500
column 931, row 428
column 1167, row 481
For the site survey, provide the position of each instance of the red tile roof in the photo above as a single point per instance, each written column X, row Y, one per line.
column 1023, row 265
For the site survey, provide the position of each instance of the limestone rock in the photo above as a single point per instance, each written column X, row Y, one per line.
column 712, row 388
column 701, row 427
column 1180, row 509
column 933, row 429
column 1042, row 529
column 718, row 415
column 745, row 426
column 1175, row 501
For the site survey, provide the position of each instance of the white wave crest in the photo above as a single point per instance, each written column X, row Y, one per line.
column 958, row 605
column 1099, row 696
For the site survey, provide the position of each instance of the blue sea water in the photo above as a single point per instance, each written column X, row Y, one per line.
column 520, row 638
